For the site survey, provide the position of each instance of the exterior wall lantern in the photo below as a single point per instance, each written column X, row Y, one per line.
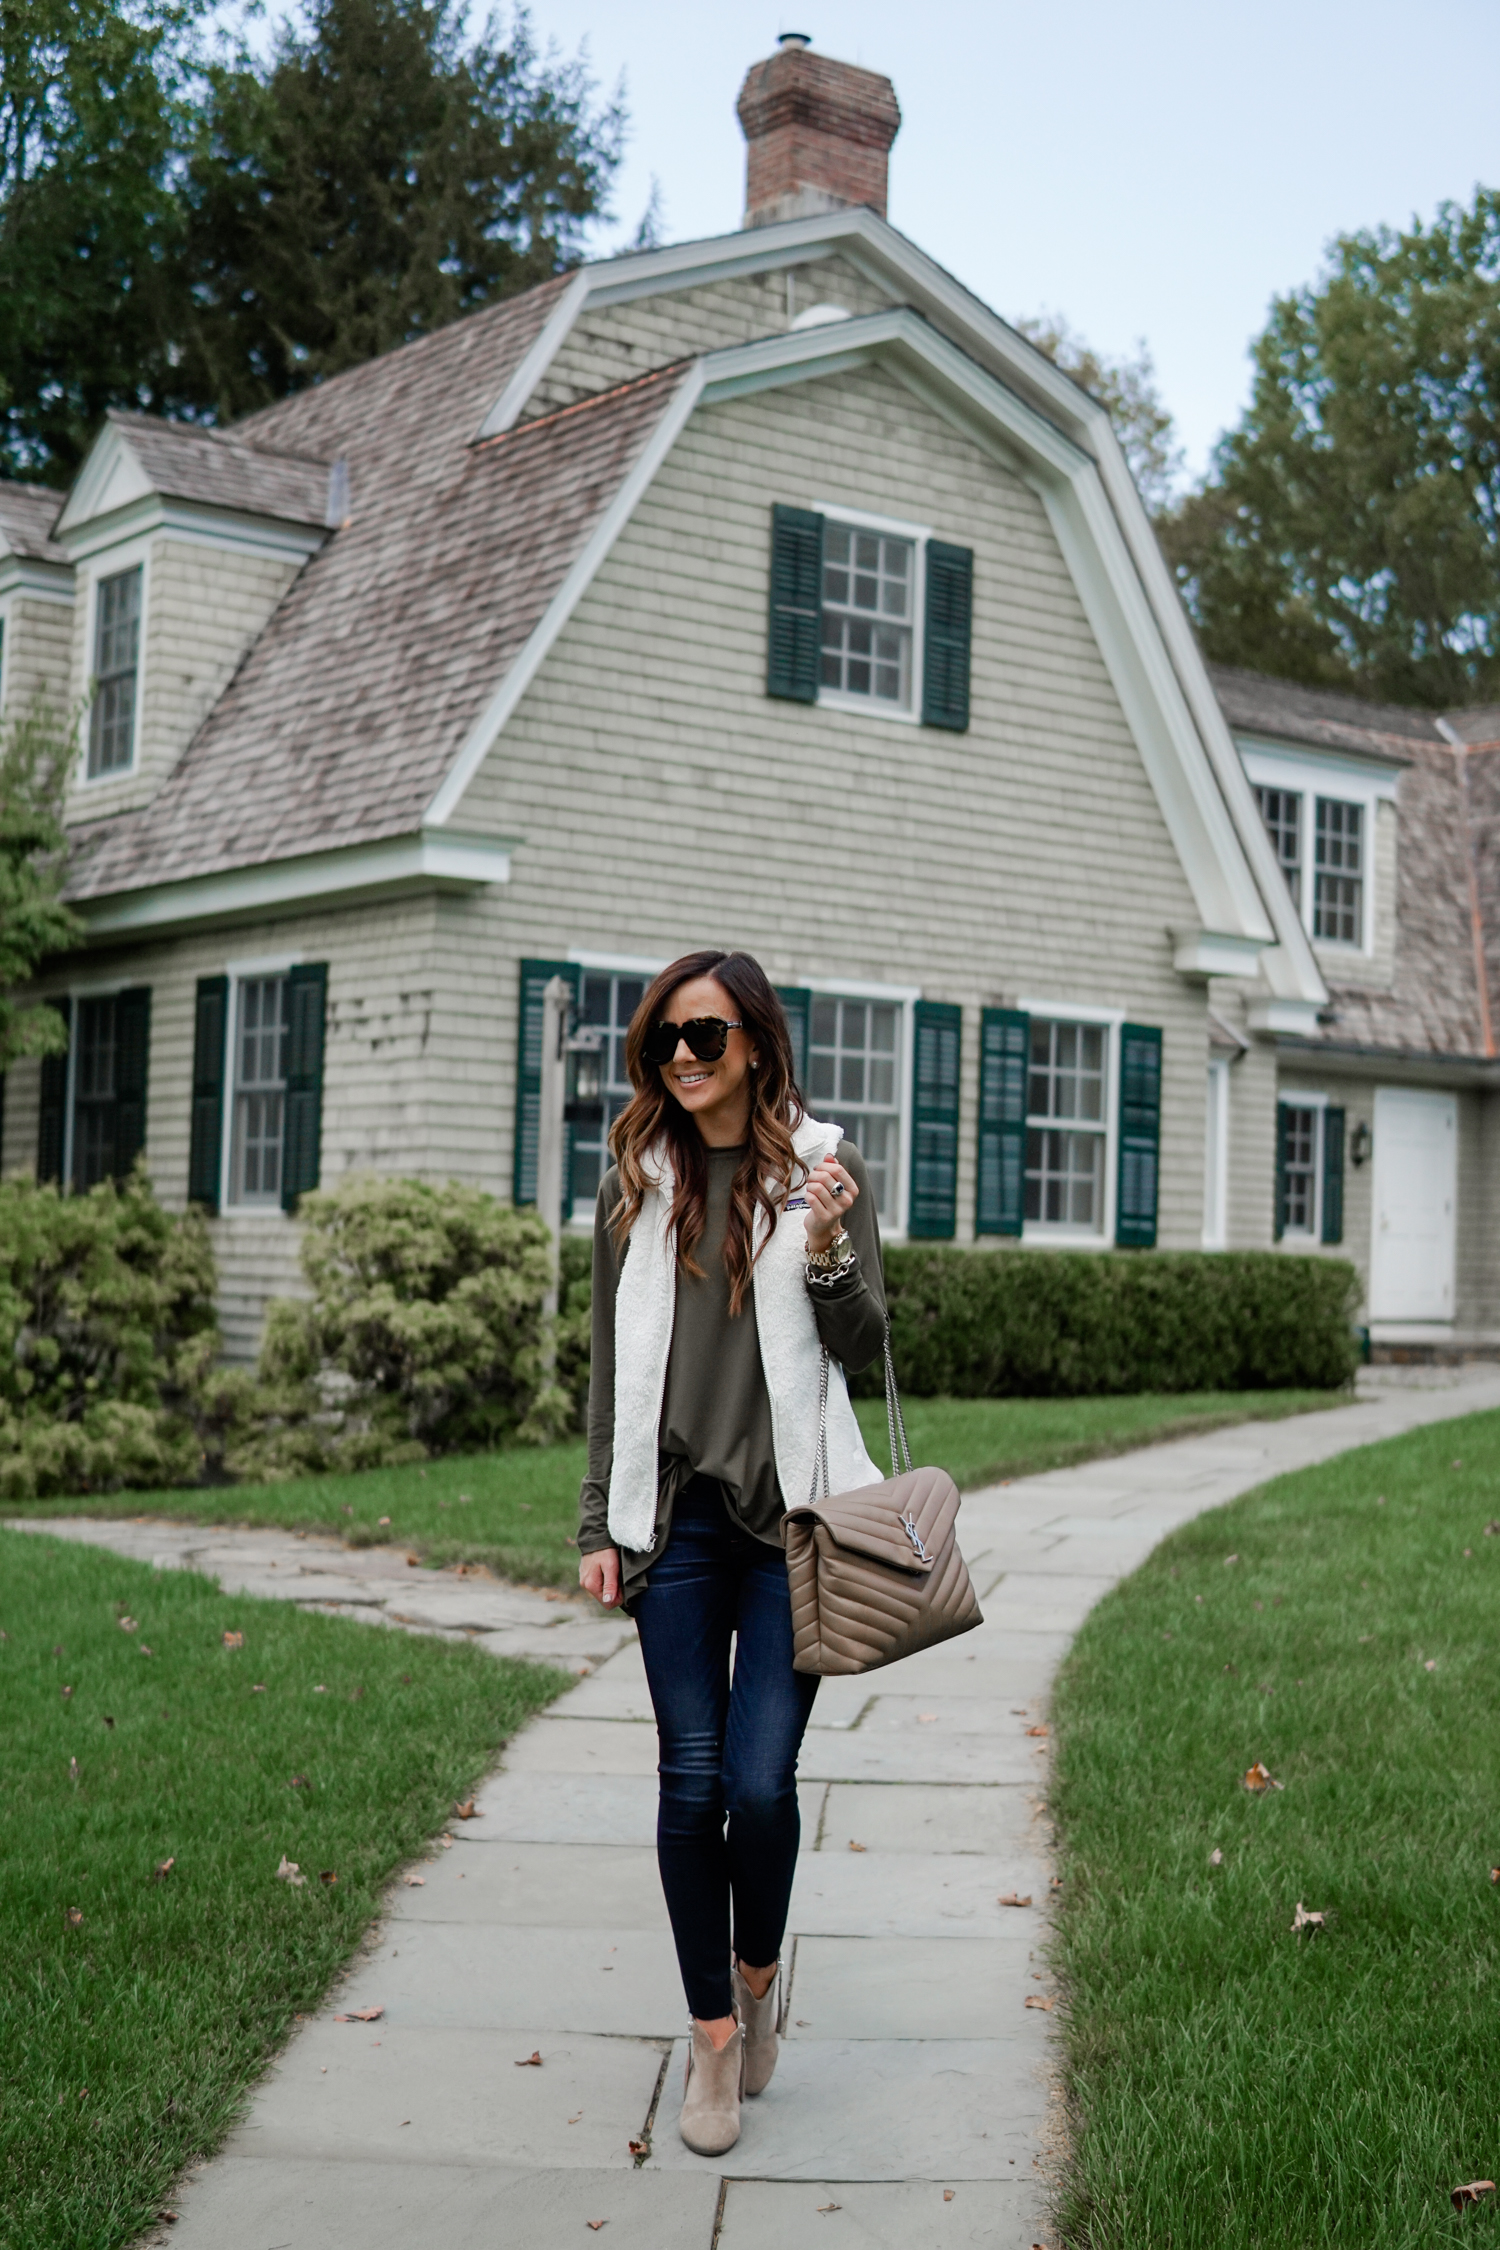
column 585, row 1097
column 1359, row 1144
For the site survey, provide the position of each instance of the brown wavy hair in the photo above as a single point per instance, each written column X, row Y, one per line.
column 653, row 1117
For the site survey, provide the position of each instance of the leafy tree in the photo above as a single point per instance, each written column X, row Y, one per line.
column 91, row 103
column 1349, row 533
column 1127, row 387
column 34, row 755
column 382, row 175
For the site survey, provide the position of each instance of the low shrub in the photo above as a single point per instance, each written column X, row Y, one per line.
column 1073, row 1324
column 423, row 1334
column 106, row 1334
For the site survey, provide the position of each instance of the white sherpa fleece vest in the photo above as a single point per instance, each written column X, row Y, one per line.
column 790, row 1354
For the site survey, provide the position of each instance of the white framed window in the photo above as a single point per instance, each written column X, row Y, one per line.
column 869, row 614
column 1067, row 1125
column 1216, row 1156
column 607, row 999
column 262, row 1025
column 1319, row 814
column 856, row 1078
column 874, row 574
column 117, row 650
column 1300, row 1125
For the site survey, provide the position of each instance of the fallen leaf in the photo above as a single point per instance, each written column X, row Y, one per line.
column 926, row 1718
column 259, row 1688
column 75, row 1917
column 533, row 2061
column 1039, row 2000
column 164, row 1868
column 233, row 1640
column 465, row 1811
column 1462, row 2197
column 594, row 2225
column 640, row 2148
column 67, row 1691
column 1216, row 1857
column 830, row 2206
column 1258, row 1781
column 1495, row 1874
column 147, row 1651
column 385, row 1519
column 1492, row 1529
column 299, row 1781
column 804, row 2023
column 857, row 1847
column 1015, row 1898
column 129, row 1625
column 167, row 2218
column 363, row 2015
column 413, row 1562
column 320, row 1689
column 947, row 2195
column 1228, row 1559
column 326, row 1875
column 1430, row 1665
column 1057, row 1883
column 290, row 1872
column 405, row 2120
column 446, row 1842
column 1303, row 1920
column 414, row 1882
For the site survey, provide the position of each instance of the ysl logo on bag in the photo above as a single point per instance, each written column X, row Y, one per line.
column 911, row 1532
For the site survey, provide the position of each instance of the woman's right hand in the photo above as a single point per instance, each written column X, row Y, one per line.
column 599, row 1575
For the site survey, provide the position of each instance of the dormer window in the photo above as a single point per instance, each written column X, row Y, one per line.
column 1320, row 815
column 1338, row 873
column 117, row 643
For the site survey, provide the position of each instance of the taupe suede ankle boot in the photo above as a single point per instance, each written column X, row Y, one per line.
column 710, row 2121
column 758, row 2019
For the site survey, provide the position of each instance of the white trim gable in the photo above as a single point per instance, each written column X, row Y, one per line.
column 888, row 259
column 1229, row 901
column 111, row 477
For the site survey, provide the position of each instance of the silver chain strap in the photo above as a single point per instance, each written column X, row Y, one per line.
column 894, row 1422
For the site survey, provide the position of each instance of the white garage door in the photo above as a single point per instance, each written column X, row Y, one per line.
column 1415, row 1193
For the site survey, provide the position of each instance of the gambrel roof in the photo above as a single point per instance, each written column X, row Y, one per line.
column 468, row 532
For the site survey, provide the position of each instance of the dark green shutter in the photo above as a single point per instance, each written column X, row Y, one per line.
column 1004, row 1054
column 132, row 1058
column 52, row 1121
column 794, row 637
column 1333, row 1175
column 206, row 1135
column 798, row 1005
column 535, row 978
column 1283, row 1110
column 946, row 636
column 1140, row 1136
column 934, row 1145
column 302, row 1136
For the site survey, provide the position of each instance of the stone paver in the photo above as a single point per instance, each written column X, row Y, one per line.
column 914, row 2104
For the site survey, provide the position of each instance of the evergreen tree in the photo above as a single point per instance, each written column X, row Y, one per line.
column 382, row 175
column 1349, row 533
column 91, row 105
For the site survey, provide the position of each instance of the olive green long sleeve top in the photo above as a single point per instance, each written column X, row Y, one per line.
column 716, row 1414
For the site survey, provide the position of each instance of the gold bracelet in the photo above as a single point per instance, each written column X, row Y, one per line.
column 837, row 1255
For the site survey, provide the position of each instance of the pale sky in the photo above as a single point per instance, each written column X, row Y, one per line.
column 1156, row 171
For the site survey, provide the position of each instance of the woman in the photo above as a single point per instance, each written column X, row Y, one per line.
column 734, row 1239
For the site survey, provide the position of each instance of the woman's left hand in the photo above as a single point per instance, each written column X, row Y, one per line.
column 831, row 1192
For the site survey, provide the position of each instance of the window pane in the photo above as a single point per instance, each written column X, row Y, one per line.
column 1338, row 889
column 117, row 629
column 1300, row 1173
column 94, row 1094
column 1065, row 1169
column 1281, row 810
column 263, row 1021
column 860, row 656
column 607, row 1002
column 851, row 1064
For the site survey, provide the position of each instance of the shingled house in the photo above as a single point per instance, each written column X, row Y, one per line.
column 767, row 590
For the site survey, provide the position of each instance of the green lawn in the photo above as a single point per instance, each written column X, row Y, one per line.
column 128, row 2036
column 1237, row 2085
column 517, row 1511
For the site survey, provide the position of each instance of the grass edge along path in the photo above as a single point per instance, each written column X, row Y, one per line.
column 516, row 1511
column 1237, row 2085
column 164, row 1745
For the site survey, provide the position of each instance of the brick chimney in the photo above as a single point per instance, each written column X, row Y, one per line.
column 819, row 134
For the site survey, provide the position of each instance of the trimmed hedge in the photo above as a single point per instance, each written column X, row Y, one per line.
column 1075, row 1323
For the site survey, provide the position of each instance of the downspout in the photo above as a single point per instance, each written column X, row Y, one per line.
column 1481, row 970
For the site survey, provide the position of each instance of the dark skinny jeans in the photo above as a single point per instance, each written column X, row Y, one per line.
column 727, row 1829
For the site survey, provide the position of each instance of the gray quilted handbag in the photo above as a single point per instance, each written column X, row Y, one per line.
column 875, row 1574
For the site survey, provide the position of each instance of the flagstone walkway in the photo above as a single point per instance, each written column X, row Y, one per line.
column 915, row 2102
